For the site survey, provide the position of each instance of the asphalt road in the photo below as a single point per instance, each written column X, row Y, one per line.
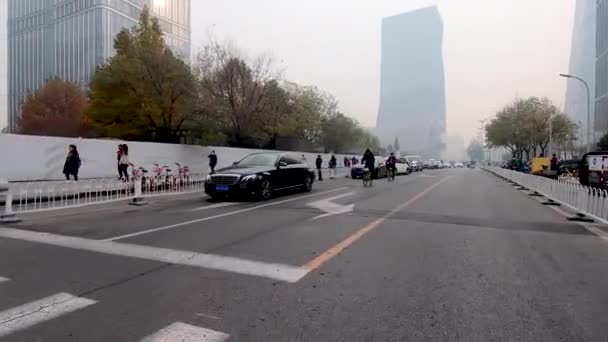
column 447, row 255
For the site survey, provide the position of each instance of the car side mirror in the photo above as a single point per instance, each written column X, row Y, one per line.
column 235, row 163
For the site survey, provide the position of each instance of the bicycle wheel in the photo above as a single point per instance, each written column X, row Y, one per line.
column 366, row 179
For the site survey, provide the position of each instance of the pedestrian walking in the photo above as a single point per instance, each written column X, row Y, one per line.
column 354, row 160
column 554, row 163
column 319, row 164
column 333, row 163
column 118, row 155
column 72, row 163
column 346, row 162
column 212, row 161
column 123, row 163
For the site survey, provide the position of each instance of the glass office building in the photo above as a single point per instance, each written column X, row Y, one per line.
column 3, row 69
column 601, row 69
column 582, row 64
column 69, row 38
column 412, row 86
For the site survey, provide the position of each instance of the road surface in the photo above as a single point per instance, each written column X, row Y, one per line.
column 446, row 255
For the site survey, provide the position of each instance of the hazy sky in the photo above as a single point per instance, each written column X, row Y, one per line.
column 494, row 50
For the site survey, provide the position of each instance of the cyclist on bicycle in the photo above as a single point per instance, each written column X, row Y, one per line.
column 369, row 161
column 391, row 164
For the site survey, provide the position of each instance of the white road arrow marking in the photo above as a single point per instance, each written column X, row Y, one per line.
column 332, row 208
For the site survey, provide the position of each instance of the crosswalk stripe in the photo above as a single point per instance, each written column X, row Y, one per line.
column 45, row 309
column 183, row 332
column 2, row 279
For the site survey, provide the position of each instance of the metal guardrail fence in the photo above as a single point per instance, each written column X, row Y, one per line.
column 586, row 200
column 30, row 197
column 37, row 196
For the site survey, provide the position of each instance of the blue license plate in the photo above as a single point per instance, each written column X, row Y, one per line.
column 222, row 188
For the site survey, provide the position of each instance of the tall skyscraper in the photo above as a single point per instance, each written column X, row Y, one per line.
column 69, row 38
column 412, row 98
column 3, row 68
column 582, row 64
column 601, row 69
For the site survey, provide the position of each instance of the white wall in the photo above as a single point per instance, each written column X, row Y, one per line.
column 26, row 157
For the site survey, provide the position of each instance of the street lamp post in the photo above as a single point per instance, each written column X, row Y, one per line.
column 588, row 108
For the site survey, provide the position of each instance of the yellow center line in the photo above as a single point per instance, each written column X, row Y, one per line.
column 342, row 245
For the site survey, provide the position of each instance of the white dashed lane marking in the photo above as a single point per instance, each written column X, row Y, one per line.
column 214, row 206
column 230, row 213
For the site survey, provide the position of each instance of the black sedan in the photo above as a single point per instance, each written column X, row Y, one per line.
column 357, row 171
column 260, row 175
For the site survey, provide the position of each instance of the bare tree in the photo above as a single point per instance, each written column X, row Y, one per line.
column 239, row 90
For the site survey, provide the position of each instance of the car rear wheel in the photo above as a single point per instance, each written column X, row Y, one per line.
column 265, row 191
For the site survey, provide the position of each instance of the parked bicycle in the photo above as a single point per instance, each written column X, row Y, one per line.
column 140, row 173
column 183, row 173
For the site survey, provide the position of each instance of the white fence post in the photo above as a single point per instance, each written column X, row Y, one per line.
column 8, row 216
column 138, row 198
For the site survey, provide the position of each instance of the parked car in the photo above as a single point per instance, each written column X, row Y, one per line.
column 459, row 165
column 403, row 167
column 426, row 164
column 415, row 163
column 568, row 166
column 260, row 175
column 357, row 171
column 433, row 164
column 440, row 164
column 472, row 164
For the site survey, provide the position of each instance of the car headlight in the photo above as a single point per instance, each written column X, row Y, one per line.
column 208, row 180
column 250, row 178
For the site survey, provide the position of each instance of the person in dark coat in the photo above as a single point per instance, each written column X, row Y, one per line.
column 72, row 163
column 369, row 161
column 212, row 161
column 319, row 164
column 554, row 163
column 333, row 163
column 118, row 156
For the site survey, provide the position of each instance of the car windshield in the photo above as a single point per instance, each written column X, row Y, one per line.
column 259, row 159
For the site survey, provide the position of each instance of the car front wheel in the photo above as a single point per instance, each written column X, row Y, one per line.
column 265, row 191
column 307, row 187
